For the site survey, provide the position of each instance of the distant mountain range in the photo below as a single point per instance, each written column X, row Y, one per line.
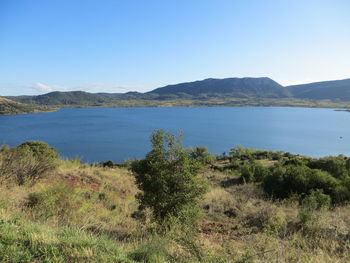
column 240, row 88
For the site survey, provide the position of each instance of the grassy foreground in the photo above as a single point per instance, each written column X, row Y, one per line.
column 85, row 213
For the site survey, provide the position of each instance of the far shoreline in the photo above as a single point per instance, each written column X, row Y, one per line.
column 197, row 104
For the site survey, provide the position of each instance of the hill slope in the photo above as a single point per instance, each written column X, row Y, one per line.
column 235, row 87
column 75, row 98
column 332, row 90
column 13, row 107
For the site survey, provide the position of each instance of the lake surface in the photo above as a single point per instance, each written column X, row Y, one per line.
column 99, row 134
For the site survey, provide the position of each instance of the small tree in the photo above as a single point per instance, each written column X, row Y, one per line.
column 168, row 180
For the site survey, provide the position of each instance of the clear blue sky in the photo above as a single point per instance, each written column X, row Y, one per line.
column 116, row 46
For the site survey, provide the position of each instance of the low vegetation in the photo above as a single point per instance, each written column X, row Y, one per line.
column 12, row 107
column 176, row 205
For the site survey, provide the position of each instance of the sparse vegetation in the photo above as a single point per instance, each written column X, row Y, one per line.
column 261, row 206
column 12, row 107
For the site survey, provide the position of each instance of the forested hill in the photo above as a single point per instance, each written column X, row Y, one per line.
column 243, row 91
column 332, row 90
column 79, row 98
column 203, row 89
column 235, row 87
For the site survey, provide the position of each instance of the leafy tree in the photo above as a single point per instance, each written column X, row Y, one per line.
column 169, row 183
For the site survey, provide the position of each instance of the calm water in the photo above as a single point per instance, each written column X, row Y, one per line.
column 123, row 133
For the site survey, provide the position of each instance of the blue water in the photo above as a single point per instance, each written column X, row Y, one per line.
column 118, row 134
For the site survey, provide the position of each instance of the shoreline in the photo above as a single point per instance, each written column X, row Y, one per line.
column 178, row 104
column 33, row 112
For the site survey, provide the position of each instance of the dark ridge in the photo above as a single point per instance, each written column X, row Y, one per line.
column 331, row 90
column 236, row 87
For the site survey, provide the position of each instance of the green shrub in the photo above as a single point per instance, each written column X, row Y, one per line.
column 270, row 220
column 40, row 150
column 295, row 161
column 341, row 193
column 202, row 155
column 316, row 200
column 241, row 153
column 248, row 154
column 338, row 166
column 283, row 181
column 275, row 222
column 305, row 217
column 247, row 173
column 168, row 180
column 322, row 180
column 253, row 172
column 23, row 165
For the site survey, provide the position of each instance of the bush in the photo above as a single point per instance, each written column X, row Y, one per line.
column 283, row 181
column 168, row 180
column 338, row 166
column 294, row 160
column 109, row 164
column 247, row 173
column 23, row 164
column 253, row 172
column 248, row 154
column 316, row 200
column 269, row 219
column 241, row 153
column 40, row 150
column 202, row 155
column 341, row 193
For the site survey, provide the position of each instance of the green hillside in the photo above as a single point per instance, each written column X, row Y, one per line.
column 233, row 87
column 12, row 107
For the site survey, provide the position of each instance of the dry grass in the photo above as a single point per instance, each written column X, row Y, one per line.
column 243, row 225
column 239, row 225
